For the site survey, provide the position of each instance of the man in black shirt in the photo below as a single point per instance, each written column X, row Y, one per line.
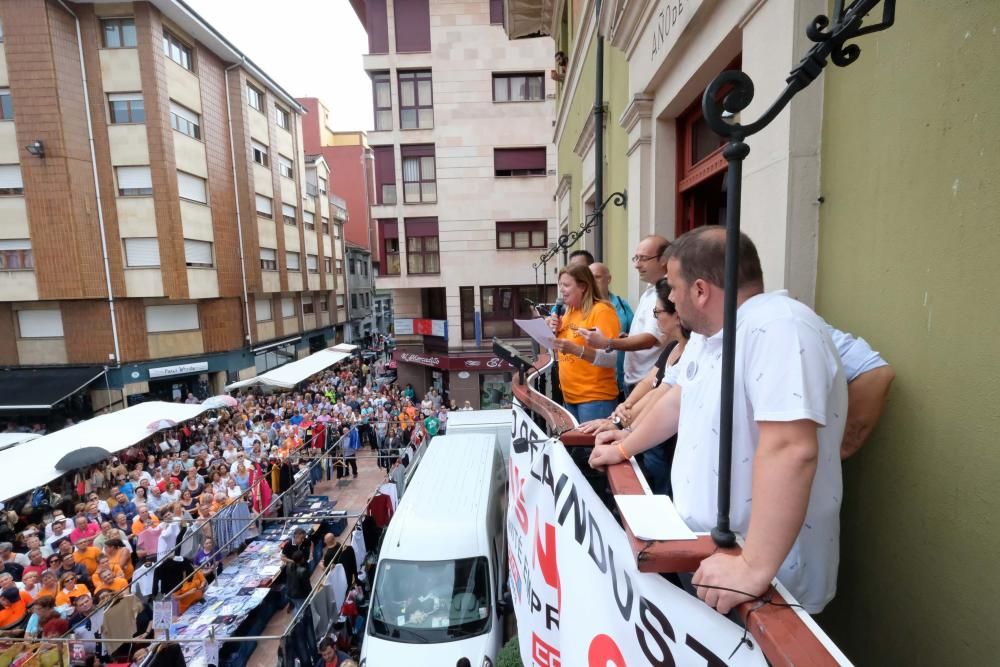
column 298, row 543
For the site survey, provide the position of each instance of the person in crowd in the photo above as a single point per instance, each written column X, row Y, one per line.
column 787, row 430
column 602, row 276
column 208, row 558
column 331, row 655
column 581, row 257
column 586, row 377
column 42, row 609
column 69, row 588
column 13, row 608
column 297, row 584
column 49, row 584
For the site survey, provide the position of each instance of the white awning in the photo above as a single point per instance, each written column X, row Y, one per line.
column 289, row 375
column 33, row 464
column 8, row 440
column 344, row 347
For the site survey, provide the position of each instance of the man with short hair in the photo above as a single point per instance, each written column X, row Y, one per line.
column 331, row 655
column 602, row 276
column 789, row 410
column 581, row 257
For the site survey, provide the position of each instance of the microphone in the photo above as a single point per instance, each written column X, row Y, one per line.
column 558, row 308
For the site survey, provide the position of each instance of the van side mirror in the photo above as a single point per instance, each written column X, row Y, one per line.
column 505, row 604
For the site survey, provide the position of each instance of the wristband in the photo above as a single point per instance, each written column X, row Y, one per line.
column 621, row 450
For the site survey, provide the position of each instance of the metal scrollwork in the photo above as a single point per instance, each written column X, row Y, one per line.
column 566, row 241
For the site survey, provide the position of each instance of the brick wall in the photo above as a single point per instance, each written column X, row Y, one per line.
column 221, row 324
column 278, row 219
column 244, row 179
column 162, row 160
column 8, row 342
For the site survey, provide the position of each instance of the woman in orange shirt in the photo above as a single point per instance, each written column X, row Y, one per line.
column 69, row 589
column 590, row 390
column 191, row 591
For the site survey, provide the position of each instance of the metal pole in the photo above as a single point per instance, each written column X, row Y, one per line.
column 599, row 141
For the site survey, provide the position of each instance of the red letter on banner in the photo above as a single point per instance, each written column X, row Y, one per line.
column 544, row 655
column 602, row 649
column 517, row 491
column 545, row 558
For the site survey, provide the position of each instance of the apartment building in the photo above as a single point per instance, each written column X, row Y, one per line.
column 463, row 181
column 360, row 292
column 159, row 218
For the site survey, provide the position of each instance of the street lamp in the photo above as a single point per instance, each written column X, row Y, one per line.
column 36, row 148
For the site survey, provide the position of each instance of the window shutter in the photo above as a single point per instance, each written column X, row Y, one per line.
column 264, row 205
column 125, row 97
column 268, row 254
column 10, row 176
column 308, row 217
column 311, row 262
column 259, row 146
column 40, row 323
column 15, row 244
column 184, row 113
column 421, row 227
column 175, row 317
column 198, row 252
column 262, row 308
column 293, row 260
column 143, row 251
column 519, row 158
column 287, row 307
column 192, row 187
column 134, row 178
column 288, row 209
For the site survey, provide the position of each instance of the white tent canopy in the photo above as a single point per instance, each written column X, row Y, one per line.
column 8, row 440
column 344, row 347
column 33, row 464
column 289, row 375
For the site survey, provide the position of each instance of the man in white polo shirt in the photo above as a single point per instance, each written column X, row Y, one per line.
column 790, row 406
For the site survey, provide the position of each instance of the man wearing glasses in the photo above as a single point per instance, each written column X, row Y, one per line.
column 644, row 340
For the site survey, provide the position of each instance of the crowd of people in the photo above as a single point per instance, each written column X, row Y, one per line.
column 65, row 551
column 646, row 382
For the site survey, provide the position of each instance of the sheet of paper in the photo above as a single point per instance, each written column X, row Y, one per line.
column 653, row 518
column 538, row 330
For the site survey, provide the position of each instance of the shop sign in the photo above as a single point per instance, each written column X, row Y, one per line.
column 423, row 360
column 667, row 25
column 179, row 369
column 478, row 364
column 420, row 327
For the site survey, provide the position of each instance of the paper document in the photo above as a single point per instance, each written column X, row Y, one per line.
column 653, row 518
column 538, row 330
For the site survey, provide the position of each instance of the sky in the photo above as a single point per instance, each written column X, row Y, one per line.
column 312, row 48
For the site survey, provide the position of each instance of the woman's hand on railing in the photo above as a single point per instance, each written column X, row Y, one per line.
column 624, row 413
column 605, row 455
column 596, row 426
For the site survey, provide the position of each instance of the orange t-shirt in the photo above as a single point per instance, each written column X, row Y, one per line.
column 88, row 558
column 138, row 525
column 580, row 380
column 64, row 598
column 118, row 584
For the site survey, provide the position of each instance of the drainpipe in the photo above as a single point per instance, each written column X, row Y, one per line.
column 599, row 140
column 236, row 192
column 97, row 188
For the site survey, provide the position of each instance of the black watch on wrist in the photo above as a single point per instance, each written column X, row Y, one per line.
column 617, row 421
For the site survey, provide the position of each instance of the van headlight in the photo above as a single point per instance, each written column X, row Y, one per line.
column 486, row 662
column 364, row 661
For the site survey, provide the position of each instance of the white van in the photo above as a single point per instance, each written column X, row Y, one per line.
column 438, row 590
column 500, row 422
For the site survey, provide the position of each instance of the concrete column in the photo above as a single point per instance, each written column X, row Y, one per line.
column 637, row 121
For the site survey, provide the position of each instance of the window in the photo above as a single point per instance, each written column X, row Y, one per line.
column 258, row 152
column 288, row 214
column 265, row 207
column 134, row 181
column 285, row 167
column 382, row 102
column 322, row 186
column 519, row 161
column 312, row 263
column 499, row 307
column 701, row 176
column 46, row 323
column 262, row 309
column 416, row 101
column 519, row 235
column 419, row 185
column 324, row 305
column 268, row 259
column 350, row 266
column 292, row 261
column 6, row 105
column 496, row 11
column 179, row 317
column 126, row 108
column 309, row 219
column 340, row 301
column 191, row 187
column 307, row 305
column 287, row 306
column 377, row 23
column 340, row 266
column 255, row 98
column 10, row 180
column 413, row 26
column 422, row 246
column 327, row 265
column 282, row 118
column 15, row 255
column 354, row 301
column 142, row 252
column 177, row 51
column 324, row 224
column 523, row 87
column 184, row 120
column 198, row 254
column 385, row 174
column 392, row 257
column 118, row 33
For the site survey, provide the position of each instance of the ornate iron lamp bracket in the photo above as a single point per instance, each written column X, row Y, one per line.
column 566, row 241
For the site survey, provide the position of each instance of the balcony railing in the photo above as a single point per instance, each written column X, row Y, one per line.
column 781, row 633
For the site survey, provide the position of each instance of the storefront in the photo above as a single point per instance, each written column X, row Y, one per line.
column 174, row 383
column 674, row 49
column 483, row 380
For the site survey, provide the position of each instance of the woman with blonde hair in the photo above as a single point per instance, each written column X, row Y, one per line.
column 586, row 376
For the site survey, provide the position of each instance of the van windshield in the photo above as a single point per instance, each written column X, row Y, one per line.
column 431, row 601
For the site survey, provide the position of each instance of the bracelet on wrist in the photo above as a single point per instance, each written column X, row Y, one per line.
column 621, row 450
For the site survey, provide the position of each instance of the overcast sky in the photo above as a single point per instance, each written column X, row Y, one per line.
column 312, row 48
